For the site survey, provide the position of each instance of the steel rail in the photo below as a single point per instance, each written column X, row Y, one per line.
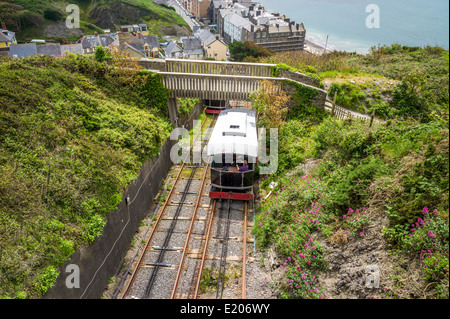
column 205, row 249
column 200, row 194
column 191, row 226
column 168, row 237
column 223, row 257
column 244, row 253
column 150, row 238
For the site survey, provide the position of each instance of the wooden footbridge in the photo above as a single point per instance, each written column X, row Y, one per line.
column 216, row 80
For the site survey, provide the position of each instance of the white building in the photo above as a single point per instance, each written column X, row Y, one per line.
column 232, row 27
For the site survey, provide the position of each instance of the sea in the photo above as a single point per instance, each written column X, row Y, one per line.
column 357, row 25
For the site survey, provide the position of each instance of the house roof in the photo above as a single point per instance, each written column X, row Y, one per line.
column 92, row 41
column 136, row 47
column 237, row 20
column 206, row 37
column 192, row 45
column 224, row 12
column 6, row 36
column 72, row 48
column 151, row 40
column 172, row 47
column 23, row 50
column 49, row 49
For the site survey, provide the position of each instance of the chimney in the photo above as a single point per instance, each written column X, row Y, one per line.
column 96, row 33
column 4, row 26
column 252, row 28
column 139, row 35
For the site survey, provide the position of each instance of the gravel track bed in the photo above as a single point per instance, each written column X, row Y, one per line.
column 186, row 212
column 189, row 199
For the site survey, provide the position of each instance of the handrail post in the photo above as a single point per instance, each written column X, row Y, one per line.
column 371, row 118
column 334, row 104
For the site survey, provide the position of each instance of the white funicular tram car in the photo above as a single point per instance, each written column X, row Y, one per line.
column 233, row 147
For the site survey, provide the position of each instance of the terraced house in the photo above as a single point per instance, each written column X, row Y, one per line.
column 247, row 21
column 276, row 33
column 213, row 46
column 7, row 37
column 91, row 42
column 200, row 8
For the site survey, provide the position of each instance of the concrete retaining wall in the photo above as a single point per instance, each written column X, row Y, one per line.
column 299, row 77
column 318, row 101
column 153, row 64
column 103, row 258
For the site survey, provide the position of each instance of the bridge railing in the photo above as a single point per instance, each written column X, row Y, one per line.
column 219, row 67
column 212, row 86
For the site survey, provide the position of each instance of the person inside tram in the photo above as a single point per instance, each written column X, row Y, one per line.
column 243, row 168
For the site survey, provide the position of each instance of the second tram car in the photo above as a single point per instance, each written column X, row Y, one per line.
column 233, row 147
column 215, row 107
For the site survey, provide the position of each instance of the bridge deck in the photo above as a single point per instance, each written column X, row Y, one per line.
column 212, row 86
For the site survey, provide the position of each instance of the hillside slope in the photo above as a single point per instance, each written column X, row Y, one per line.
column 73, row 134
column 46, row 18
column 352, row 198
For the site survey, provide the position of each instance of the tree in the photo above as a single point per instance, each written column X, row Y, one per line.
column 271, row 103
column 408, row 96
column 241, row 50
column 52, row 15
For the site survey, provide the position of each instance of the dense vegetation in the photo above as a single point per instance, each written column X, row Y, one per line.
column 397, row 170
column 28, row 18
column 74, row 133
column 249, row 51
column 391, row 80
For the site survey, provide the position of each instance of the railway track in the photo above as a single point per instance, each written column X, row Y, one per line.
column 226, row 251
column 185, row 239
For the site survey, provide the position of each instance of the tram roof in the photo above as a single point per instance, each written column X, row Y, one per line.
column 235, row 132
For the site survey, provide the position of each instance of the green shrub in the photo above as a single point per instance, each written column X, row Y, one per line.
column 45, row 281
column 102, row 54
column 94, row 228
column 348, row 186
column 435, row 266
column 52, row 15
column 407, row 97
